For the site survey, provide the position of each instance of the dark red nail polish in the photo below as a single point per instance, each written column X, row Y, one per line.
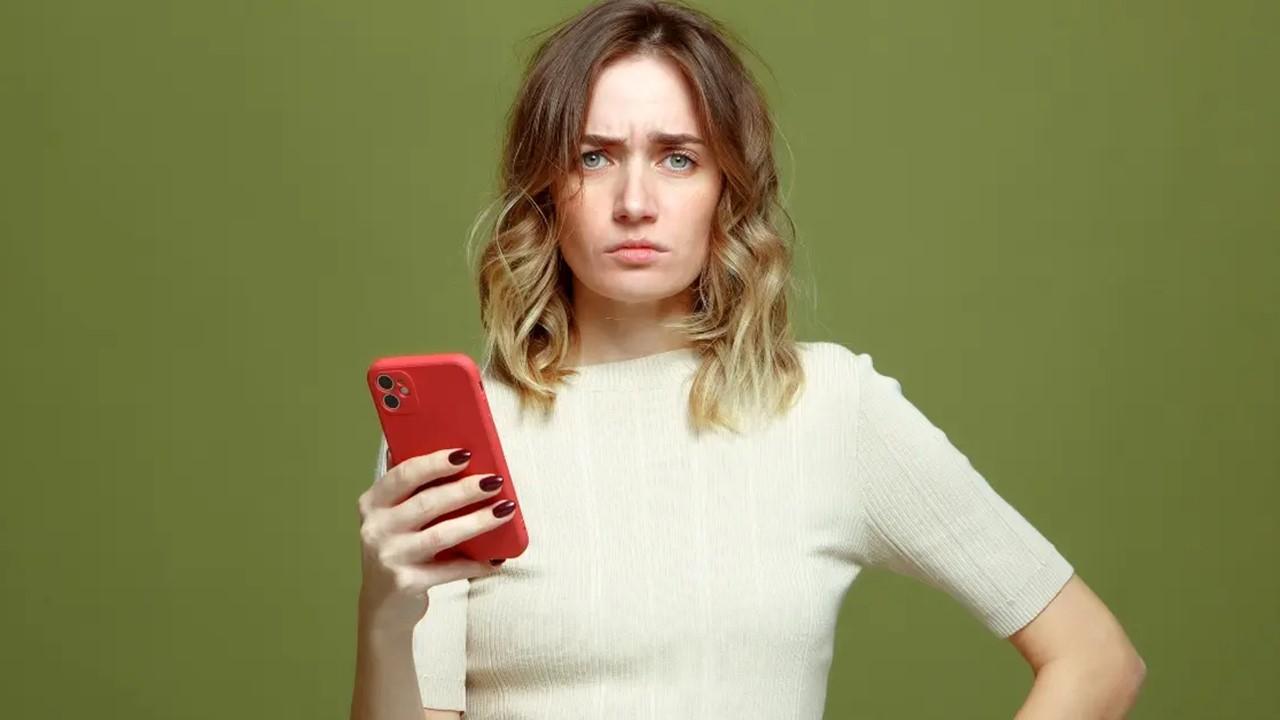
column 504, row 508
column 497, row 562
column 491, row 483
column 457, row 457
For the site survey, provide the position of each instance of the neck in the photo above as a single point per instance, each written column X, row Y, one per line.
column 609, row 330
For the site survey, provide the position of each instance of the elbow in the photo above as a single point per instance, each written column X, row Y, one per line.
column 1111, row 681
column 1120, row 681
column 1131, row 677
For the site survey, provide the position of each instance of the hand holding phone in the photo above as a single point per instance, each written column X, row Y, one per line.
column 421, row 523
column 396, row 551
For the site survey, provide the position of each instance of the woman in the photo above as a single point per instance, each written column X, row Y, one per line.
column 700, row 489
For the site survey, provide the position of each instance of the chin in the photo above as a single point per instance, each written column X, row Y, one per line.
column 635, row 292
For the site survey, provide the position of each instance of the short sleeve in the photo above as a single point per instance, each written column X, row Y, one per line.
column 930, row 515
column 440, row 637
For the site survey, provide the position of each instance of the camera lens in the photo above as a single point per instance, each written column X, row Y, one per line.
column 385, row 382
column 391, row 401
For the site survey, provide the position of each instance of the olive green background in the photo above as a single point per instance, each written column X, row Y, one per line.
column 1054, row 223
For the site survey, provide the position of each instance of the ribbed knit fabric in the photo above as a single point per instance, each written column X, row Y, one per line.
column 674, row 577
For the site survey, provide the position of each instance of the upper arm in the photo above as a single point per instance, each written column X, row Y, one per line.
column 927, row 512
column 1076, row 624
column 432, row 714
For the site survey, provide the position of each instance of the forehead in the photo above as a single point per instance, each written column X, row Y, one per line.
column 636, row 95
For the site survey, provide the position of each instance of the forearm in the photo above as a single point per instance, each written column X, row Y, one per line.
column 386, row 684
column 1083, row 689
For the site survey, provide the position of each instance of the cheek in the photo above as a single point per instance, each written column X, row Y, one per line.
column 574, row 231
column 586, row 216
column 569, row 217
column 698, row 211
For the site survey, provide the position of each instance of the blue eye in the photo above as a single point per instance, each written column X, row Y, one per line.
column 688, row 161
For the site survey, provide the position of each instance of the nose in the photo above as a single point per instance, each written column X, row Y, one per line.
column 635, row 201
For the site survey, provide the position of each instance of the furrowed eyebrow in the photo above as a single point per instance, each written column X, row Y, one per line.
column 658, row 138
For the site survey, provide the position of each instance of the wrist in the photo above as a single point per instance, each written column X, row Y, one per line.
column 378, row 622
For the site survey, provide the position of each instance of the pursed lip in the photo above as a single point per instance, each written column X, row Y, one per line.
column 635, row 244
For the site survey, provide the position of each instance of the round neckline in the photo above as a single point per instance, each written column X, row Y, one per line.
column 642, row 371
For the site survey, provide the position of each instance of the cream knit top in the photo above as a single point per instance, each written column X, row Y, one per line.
column 674, row 577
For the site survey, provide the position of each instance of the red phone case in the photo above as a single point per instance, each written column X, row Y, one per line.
column 439, row 403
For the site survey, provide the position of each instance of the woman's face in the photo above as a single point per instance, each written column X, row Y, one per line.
column 639, row 185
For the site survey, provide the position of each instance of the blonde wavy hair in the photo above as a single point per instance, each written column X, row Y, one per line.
column 739, row 325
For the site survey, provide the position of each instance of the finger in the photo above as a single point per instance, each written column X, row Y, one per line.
column 426, row 505
column 419, row 547
column 404, row 479
column 432, row 574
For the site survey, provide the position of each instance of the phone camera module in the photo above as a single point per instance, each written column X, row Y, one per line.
column 385, row 382
column 391, row 401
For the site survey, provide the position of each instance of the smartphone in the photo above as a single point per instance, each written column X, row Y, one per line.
column 431, row 402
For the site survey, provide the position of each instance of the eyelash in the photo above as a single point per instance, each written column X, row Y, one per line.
column 692, row 162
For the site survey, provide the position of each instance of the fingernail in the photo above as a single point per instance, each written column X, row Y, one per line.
column 457, row 457
column 497, row 562
column 504, row 508
column 491, row 483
